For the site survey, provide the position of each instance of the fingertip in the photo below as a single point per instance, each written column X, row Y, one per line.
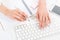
column 24, row 14
column 41, row 25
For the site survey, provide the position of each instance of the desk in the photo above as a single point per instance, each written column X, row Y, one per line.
column 9, row 34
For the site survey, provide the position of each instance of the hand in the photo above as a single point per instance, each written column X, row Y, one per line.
column 43, row 16
column 16, row 14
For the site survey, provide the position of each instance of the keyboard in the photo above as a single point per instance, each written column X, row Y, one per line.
column 30, row 30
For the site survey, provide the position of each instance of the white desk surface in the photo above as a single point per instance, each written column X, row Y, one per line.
column 9, row 35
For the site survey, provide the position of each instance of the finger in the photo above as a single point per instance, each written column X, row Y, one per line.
column 48, row 17
column 20, row 12
column 43, row 21
column 47, row 21
column 24, row 14
column 15, row 18
column 19, row 18
column 38, row 18
column 40, row 24
column 37, row 15
column 20, row 15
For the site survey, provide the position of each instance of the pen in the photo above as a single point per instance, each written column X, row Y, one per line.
column 27, row 7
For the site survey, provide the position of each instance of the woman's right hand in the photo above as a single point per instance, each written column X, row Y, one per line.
column 16, row 14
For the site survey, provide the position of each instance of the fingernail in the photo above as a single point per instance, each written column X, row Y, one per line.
column 40, row 25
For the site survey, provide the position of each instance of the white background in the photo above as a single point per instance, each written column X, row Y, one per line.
column 9, row 33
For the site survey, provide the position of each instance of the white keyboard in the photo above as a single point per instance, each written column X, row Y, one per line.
column 29, row 30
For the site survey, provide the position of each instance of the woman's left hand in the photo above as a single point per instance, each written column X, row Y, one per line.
column 42, row 16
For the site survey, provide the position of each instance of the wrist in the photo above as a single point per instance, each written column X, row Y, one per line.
column 3, row 9
column 42, row 3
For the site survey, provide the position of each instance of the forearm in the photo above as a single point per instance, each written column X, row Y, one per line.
column 3, row 9
column 42, row 3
